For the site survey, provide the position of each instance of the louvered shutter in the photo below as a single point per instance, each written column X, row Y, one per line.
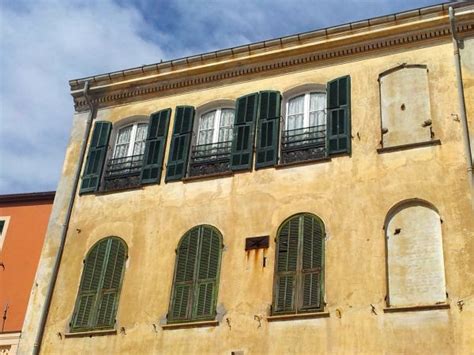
column 96, row 156
column 339, row 115
column 244, row 130
column 109, row 292
column 178, row 157
column 155, row 147
column 208, row 266
column 181, row 300
column 268, row 132
column 287, row 258
column 311, row 273
column 89, row 287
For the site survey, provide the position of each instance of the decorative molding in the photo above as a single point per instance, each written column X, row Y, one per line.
column 106, row 96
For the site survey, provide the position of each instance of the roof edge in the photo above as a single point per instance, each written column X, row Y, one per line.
column 28, row 197
column 341, row 28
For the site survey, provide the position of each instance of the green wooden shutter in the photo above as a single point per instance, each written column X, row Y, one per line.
column 339, row 115
column 287, row 257
column 178, row 157
column 155, row 147
column 111, row 281
column 244, row 130
column 96, row 157
column 312, row 263
column 182, row 296
column 89, row 287
column 208, row 267
column 268, row 129
column 97, row 300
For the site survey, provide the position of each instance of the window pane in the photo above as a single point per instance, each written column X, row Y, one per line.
column 123, row 141
column 140, row 139
column 206, row 128
column 225, row 127
column 317, row 109
column 295, row 116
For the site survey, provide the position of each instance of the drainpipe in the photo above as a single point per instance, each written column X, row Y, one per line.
column 462, row 102
column 57, row 262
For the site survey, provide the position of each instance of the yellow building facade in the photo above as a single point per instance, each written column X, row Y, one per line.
column 353, row 231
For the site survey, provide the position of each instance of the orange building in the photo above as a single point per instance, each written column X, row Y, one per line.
column 23, row 222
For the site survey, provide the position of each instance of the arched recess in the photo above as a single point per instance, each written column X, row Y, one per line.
column 99, row 290
column 196, row 275
column 415, row 262
column 405, row 105
column 299, row 265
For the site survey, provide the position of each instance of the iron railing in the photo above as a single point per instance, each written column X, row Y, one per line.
column 303, row 144
column 210, row 158
column 123, row 167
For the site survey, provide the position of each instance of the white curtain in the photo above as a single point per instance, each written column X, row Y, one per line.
column 295, row 115
column 123, row 142
column 140, row 139
column 206, row 128
column 225, row 126
column 317, row 109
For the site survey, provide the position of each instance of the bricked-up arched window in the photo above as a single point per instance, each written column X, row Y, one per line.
column 196, row 276
column 415, row 263
column 299, row 266
column 98, row 296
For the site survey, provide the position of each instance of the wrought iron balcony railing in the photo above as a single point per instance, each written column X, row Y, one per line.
column 210, row 158
column 305, row 143
column 125, row 166
column 122, row 173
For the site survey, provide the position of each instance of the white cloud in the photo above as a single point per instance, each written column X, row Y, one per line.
column 43, row 45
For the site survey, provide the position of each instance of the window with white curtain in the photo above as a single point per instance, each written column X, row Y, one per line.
column 130, row 140
column 215, row 126
column 306, row 111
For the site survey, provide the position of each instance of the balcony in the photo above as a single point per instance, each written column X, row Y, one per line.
column 207, row 159
column 123, row 173
column 301, row 144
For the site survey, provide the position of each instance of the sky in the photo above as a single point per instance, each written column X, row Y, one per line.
column 46, row 43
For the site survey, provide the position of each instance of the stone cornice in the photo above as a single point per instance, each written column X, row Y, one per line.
column 145, row 83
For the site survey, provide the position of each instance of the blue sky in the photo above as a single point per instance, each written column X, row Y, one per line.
column 45, row 43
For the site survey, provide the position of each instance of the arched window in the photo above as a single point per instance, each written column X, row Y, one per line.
column 299, row 266
column 415, row 263
column 196, row 276
column 125, row 161
column 97, row 299
column 211, row 148
column 304, row 134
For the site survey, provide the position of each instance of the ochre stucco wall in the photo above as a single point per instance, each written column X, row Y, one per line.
column 351, row 194
column 20, row 255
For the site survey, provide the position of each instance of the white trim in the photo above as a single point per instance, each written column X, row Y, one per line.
column 133, row 137
column 9, row 342
column 306, row 106
column 4, row 230
column 217, row 123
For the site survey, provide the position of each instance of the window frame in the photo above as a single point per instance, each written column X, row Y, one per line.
column 306, row 107
column 211, row 164
column 111, row 148
column 298, row 296
column 97, row 296
column 217, row 126
column 288, row 154
column 3, row 232
column 195, row 280
column 133, row 140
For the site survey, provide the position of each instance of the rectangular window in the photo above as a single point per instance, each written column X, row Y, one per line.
column 3, row 229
